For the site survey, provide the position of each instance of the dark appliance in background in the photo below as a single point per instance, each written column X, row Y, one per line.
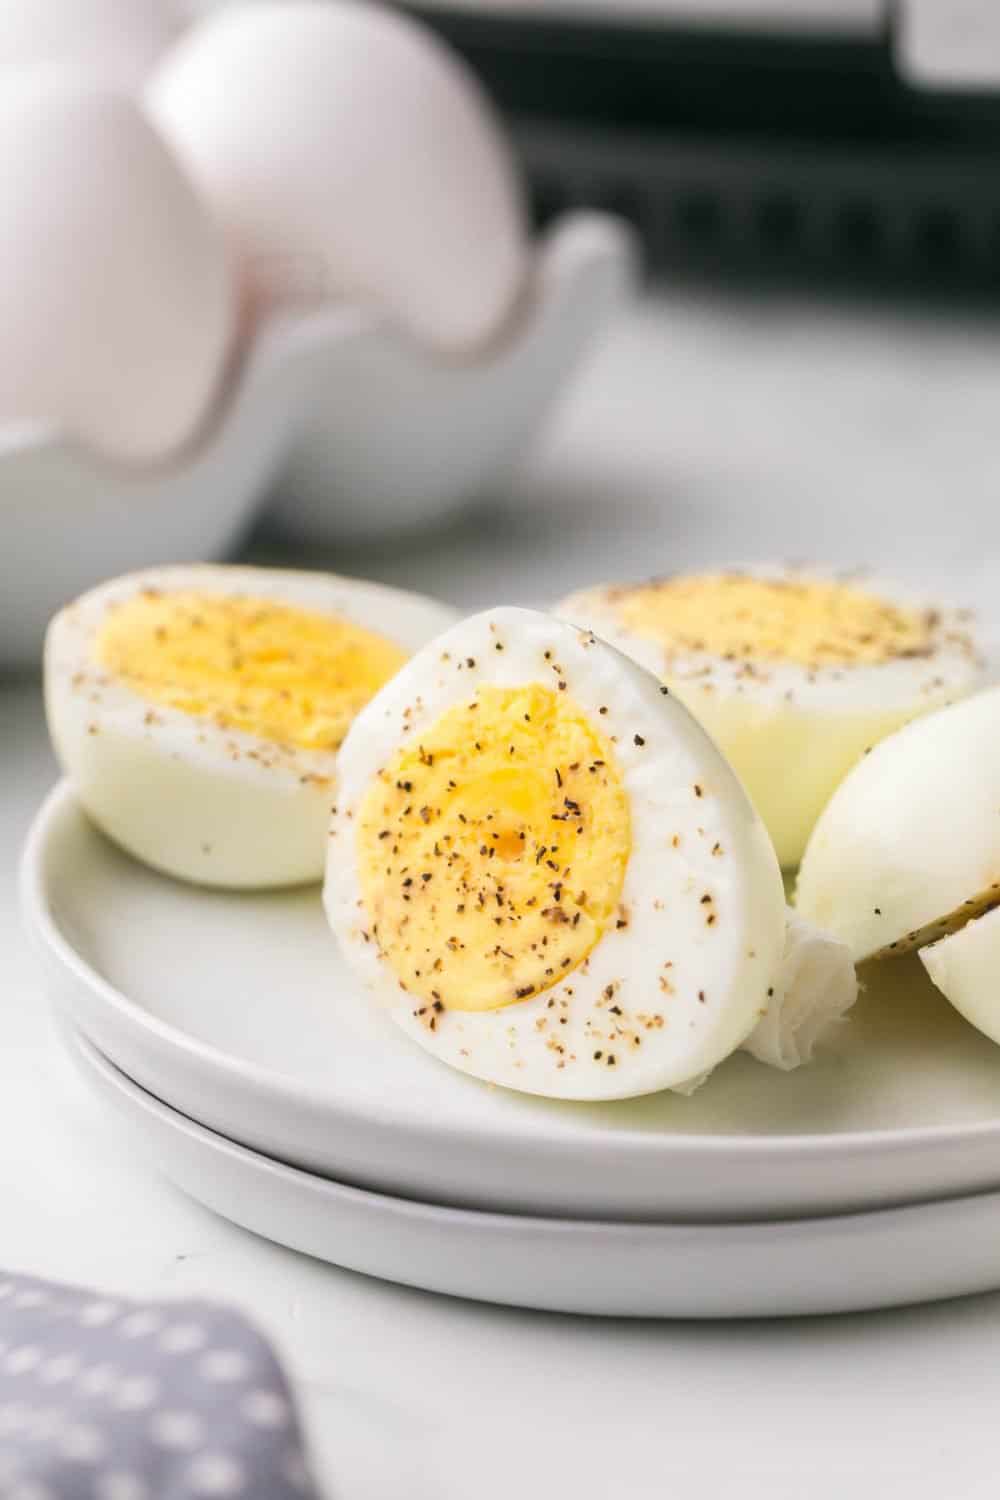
column 852, row 141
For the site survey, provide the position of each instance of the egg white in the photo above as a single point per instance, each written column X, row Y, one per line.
column 219, row 807
column 815, row 987
column 731, row 964
column 965, row 967
column 793, row 732
column 351, row 156
column 909, row 846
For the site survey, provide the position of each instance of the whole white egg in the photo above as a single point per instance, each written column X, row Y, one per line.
column 350, row 155
column 117, row 304
column 118, row 40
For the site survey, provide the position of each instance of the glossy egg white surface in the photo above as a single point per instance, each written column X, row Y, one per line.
column 116, row 298
column 189, row 793
column 351, row 157
column 909, row 847
column 965, row 967
column 672, row 985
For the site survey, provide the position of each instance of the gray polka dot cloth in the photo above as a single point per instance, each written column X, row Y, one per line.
column 102, row 1399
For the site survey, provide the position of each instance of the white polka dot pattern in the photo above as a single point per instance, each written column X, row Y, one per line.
column 181, row 1338
column 181, row 1430
column 108, row 1400
column 223, row 1365
column 98, row 1380
column 24, row 1358
column 139, row 1325
column 120, row 1484
column 216, row 1474
column 98, row 1314
column 266, row 1409
column 136, row 1393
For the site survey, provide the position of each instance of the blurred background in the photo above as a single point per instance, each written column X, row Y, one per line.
column 812, row 368
column 807, row 367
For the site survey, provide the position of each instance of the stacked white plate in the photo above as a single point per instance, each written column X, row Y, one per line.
column 229, row 1036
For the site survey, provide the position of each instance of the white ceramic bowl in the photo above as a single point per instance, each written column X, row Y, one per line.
column 69, row 519
column 367, row 433
column 392, row 440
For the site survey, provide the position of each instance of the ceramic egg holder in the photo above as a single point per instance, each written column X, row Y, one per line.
column 347, row 425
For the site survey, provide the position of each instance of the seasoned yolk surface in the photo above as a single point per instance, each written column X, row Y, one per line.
column 287, row 675
column 492, row 854
column 812, row 622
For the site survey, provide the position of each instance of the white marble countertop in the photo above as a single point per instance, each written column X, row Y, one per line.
column 703, row 431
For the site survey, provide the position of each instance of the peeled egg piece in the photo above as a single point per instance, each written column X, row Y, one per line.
column 909, row 847
column 116, row 301
column 352, row 157
column 116, row 40
column 965, row 967
column 816, row 985
column 545, row 871
column 198, row 710
column 807, row 1002
column 793, row 673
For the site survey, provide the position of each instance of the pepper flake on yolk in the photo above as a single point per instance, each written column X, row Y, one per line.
column 812, row 622
column 492, row 854
column 291, row 676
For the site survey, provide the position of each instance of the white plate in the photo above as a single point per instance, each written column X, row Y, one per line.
column 823, row 1265
column 237, row 1011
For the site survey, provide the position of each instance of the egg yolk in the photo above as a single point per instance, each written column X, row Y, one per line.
column 492, row 854
column 813, row 622
column 291, row 676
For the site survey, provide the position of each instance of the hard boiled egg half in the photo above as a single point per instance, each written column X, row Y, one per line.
column 545, row 870
column 909, row 848
column 907, row 855
column 198, row 710
column 793, row 673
